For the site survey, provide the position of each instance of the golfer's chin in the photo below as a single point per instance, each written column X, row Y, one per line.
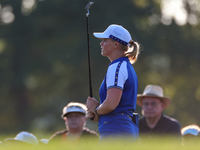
column 102, row 53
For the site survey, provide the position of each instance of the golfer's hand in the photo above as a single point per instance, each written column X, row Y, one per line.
column 93, row 116
column 92, row 104
column 90, row 114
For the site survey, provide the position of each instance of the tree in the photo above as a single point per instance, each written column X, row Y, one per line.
column 43, row 53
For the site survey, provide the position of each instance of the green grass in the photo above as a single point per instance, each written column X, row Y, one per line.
column 157, row 143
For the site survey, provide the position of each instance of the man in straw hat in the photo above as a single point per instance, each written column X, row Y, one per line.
column 153, row 103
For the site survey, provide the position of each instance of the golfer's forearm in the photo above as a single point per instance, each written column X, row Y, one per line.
column 105, row 108
column 111, row 102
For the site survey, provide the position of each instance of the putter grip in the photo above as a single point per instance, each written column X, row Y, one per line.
column 92, row 117
column 94, row 113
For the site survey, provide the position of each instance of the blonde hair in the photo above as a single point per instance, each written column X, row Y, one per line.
column 132, row 51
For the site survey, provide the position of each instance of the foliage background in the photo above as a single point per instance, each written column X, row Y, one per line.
column 43, row 57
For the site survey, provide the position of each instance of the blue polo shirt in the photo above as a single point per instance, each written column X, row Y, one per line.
column 121, row 75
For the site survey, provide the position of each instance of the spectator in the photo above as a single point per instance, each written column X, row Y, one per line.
column 22, row 138
column 190, row 134
column 154, row 122
column 191, row 130
column 75, row 118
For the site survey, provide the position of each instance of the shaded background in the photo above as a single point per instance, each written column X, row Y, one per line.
column 43, row 56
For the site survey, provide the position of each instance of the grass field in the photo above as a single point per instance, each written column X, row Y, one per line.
column 157, row 143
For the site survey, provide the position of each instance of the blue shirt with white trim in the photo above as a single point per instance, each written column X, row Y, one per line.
column 121, row 74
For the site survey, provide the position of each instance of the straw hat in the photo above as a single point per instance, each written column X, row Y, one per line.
column 153, row 91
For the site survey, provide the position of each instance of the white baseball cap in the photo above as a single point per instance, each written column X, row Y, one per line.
column 23, row 136
column 115, row 32
column 191, row 131
column 74, row 107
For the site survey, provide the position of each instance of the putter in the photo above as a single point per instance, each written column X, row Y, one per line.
column 88, row 43
column 87, row 7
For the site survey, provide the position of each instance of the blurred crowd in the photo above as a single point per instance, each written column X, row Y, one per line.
column 153, row 123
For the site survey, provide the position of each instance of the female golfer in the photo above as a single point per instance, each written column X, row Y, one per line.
column 118, row 91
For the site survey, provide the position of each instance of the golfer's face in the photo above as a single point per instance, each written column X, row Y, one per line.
column 107, row 47
column 152, row 107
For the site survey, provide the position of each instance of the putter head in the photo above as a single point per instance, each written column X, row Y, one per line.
column 88, row 5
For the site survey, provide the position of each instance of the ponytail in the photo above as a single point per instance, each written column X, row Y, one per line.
column 132, row 51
